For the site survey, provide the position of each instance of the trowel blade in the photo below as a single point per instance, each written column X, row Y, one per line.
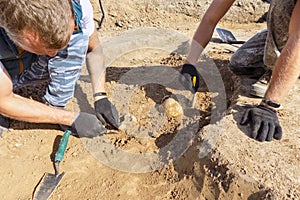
column 228, row 37
column 47, row 186
column 225, row 35
column 194, row 101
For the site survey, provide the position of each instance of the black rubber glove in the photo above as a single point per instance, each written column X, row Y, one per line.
column 107, row 112
column 264, row 123
column 190, row 73
column 87, row 125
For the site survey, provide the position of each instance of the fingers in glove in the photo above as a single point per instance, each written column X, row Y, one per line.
column 113, row 119
column 185, row 80
column 278, row 133
column 96, row 130
column 109, row 119
column 87, row 125
column 107, row 113
column 263, row 131
column 255, row 129
column 101, row 128
column 101, row 119
column 271, row 132
column 192, row 77
column 246, row 117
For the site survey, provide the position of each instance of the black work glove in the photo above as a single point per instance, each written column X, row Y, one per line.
column 107, row 112
column 264, row 123
column 190, row 73
column 87, row 125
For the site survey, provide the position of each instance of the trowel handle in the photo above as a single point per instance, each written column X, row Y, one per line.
column 236, row 42
column 62, row 146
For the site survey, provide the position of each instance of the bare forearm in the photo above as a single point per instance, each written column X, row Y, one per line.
column 96, row 69
column 286, row 72
column 95, row 64
column 201, row 38
column 287, row 68
column 203, row 34
column 23, row 109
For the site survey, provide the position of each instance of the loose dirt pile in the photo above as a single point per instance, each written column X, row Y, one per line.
column 200, row 153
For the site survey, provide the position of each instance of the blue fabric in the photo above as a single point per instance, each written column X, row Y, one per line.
column 8, row 48
column 10, row 58
column 64, row 70
column 78, row 15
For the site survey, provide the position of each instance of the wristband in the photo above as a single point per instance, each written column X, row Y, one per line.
column 99, row 94
column 271, row 103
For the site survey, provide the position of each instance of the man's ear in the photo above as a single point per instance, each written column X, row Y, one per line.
column 31, row 35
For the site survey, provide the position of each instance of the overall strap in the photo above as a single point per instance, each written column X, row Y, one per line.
column 14, row 59
column 7, row 47
column 78, row 15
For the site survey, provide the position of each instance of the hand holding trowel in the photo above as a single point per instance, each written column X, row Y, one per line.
column 49, row 181
column 190, row 72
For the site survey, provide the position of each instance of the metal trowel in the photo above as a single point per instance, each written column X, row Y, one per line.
column 49, row 182
column 228, row 37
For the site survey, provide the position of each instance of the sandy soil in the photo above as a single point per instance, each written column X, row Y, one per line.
column 201, row 153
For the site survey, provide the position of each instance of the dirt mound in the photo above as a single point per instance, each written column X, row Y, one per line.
column 171, row 14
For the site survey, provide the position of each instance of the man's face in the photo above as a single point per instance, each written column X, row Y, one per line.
column 37, row 47
column 32, row 42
